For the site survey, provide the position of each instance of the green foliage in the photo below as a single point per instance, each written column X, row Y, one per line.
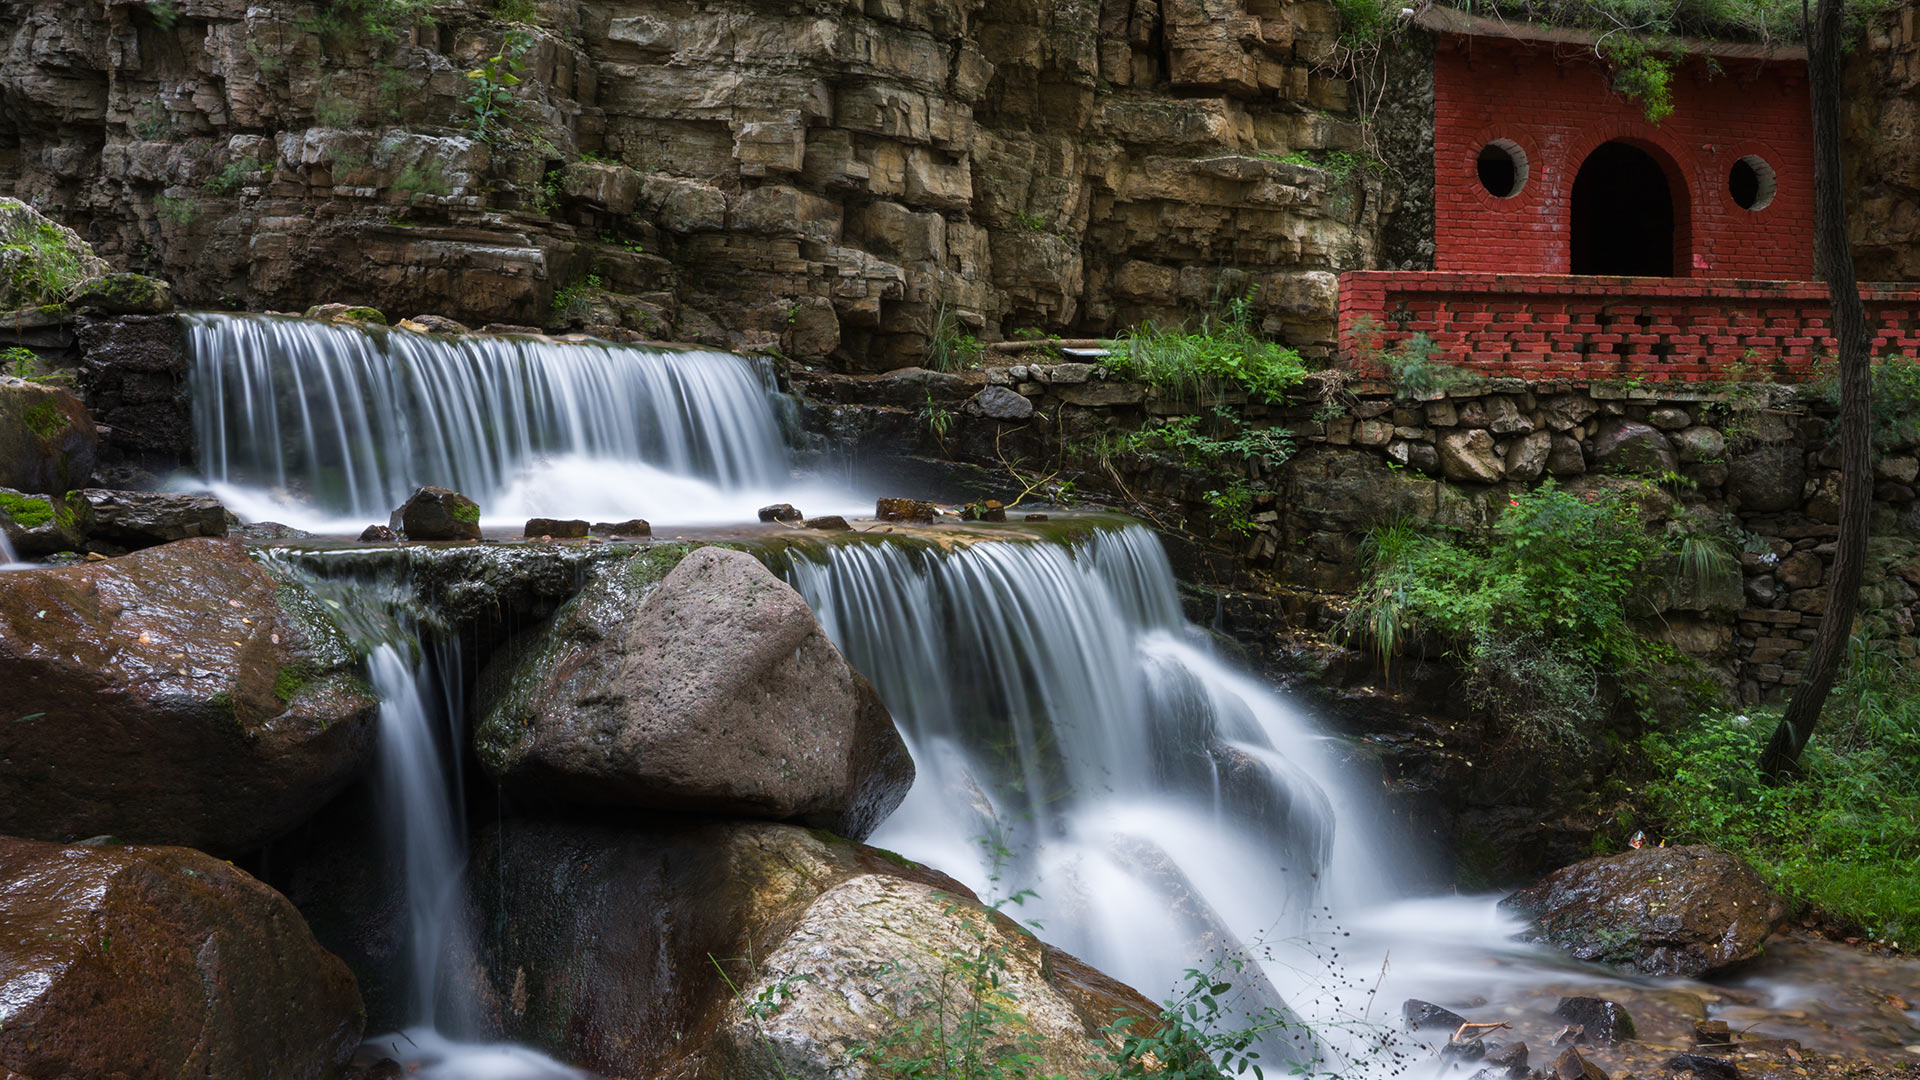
column 525, row 12
column 153, row 121
column 1224, row 352
column 1414, row 372
column 1896, row 399
column 1339, row 164
column 52, row 266
column 164, row 14
column 1030, row 221
column 1844, row 837
column 949, row 346
column 1642, row 73
column 1220, row 449
column 20, row 362
column 573, row 299
column 381, row 20
column 489, row 97
column 229, row 179
column 1536, row 612
column 335, row 111
column 429, row 178
column 179, row 210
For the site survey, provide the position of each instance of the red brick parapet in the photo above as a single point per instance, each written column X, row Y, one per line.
column 1584, row 329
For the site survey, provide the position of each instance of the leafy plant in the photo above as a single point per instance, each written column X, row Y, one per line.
column 572, row 300
column 1222, row 352
column 232, row 176
column 490, row 88
column 1896, row 399
column 49, row 267
column 180, row 210
column 1221, row 451
column 949, row 346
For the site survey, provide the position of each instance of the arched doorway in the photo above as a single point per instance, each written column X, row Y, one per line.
column 1623, row 214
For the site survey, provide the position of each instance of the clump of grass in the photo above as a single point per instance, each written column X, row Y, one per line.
column 1223, row 352
column 949, row 346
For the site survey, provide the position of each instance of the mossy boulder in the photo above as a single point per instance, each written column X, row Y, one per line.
column 125, row 294
column 719, row 692
column 437, row 513
column 47, row 439
column 612, row 948
column 180, row 695
column 41, row 261
column 41, row 524
column 161, row 962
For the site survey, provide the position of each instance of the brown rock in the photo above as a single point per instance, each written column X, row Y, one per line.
column 630, row 527
column 157, row 962
column 1623, row 445
column 912, row 511
column 138, row 519
column 437, row 513
column 177, row 695
column 570, row 529
column 720, row 693
column 378, row 534
column 780, row 512
column 1571, row 1066
column 1800, row 570
column 1566, row 458
column 1468, row 454
column 47, row 439
column 990, row 510
column 1657, row 911
column 829, row 523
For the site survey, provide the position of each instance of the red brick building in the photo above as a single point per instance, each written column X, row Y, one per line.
column 1573, row 237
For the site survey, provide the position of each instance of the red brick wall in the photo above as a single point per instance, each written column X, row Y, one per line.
column 1555, row 103
column 1588, row 328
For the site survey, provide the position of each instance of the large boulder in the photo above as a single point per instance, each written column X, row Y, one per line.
column 40, row 524
column 1629, row 446
column 437, row 513
column 613, row 949
column 1657, row 911
column 41, row 260
column 138, row 519
column 1768, row 478
column 47, row 439
column 150, row 963
column 177, row 695
column 717, row 693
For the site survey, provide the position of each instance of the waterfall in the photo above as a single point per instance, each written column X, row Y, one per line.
column 329, row 426
column 1161, row 804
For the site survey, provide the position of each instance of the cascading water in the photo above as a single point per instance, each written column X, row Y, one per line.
column 326, row 427
column 1162, row 805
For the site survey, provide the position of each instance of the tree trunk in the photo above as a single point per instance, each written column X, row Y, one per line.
column 1834, row 259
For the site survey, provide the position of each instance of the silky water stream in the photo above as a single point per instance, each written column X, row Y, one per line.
column 1074, row 735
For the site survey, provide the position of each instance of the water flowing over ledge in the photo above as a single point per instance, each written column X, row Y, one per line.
column 327, row 426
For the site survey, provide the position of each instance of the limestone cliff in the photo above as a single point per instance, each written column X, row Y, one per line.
column 824, row 178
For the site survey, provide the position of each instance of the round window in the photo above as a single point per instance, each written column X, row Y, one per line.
column 1502, row 167
column 1751, row 182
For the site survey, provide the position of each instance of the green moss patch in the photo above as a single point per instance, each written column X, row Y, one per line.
column 468, row 513
column 27, row 511
column 46, row 419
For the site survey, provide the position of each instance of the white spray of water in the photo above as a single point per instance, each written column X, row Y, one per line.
column 327, row 427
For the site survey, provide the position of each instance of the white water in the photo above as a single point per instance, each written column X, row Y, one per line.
column 328, row 427
column 1164, row 807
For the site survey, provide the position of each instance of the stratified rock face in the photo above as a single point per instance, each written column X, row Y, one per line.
column 719, row 693
column 817, row 181
column 177, row 695
column 153, row 963
column 601, row 947
column 1658, row 911
column 437, row 513
column 47, row 440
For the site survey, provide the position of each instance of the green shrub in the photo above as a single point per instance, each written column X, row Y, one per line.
column 1219, row 449
column 1223, row 352
column 1844, row 838
column 489, row 99
column 51, row 265
column 1896, row 399
column 572, row 300
column 230, row 178
column 949, row 346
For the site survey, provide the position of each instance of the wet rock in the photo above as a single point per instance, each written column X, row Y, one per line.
column 1511, row 1058
column 177, row 695
column 140, row 519
column 571, row 529
column 1468, row 454
column 435, row 324
column 346, row 313
column 829, row 523
column 1657, row 911
column 161, row 962
column 1566, row 458
column 39, row 525
column 999, row 403
column 1623, row 445
column 989, row 510
column 1421, row 1015
column 1035, row 517
column 601, row 943
column 720, row 693
column 125, row 294
column 267, row 531
column 47, row 439
column 1704, row 1066
column 1601, row 1021
column 1571, row 1066
column 437, row 513
column 1526, row 458
column 629, row 527
column 912, row 511
column 1768, row 479
column 780, row 512
column 1464, row 1050
column 378, row 534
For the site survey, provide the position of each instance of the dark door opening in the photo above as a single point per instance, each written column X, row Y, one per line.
column 1622, row 214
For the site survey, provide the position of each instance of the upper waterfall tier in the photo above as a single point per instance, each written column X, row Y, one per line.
column 312, row 422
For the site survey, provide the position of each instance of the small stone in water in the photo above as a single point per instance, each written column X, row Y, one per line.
column 377, row 534
column 1601, row 1021
column 913, row 511
column 780, row 512
column 630, row 527
column 1703, row 1066
column 1036, row 517
column 829, row 523
column 560, row 530
column 990, row 510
